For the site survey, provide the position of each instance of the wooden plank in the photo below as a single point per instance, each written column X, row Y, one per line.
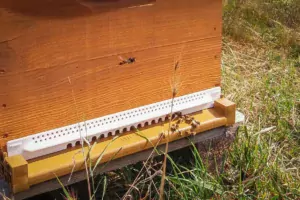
column 61, row 67
column 51, row 185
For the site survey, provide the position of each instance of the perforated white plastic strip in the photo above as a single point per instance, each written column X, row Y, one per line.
column 59, row 139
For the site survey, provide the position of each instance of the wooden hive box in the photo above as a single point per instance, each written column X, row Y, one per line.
column 72, row 63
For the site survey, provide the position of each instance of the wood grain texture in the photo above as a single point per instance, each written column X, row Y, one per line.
column 58, row 68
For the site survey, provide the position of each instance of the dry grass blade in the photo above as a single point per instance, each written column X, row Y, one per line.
column 81, row 138
column 74, row 165
column 4, row 197
column 174, row 87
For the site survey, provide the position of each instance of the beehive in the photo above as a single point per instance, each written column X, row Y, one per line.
column 68, row 61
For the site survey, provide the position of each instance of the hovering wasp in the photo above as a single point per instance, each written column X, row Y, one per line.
column 129, row 60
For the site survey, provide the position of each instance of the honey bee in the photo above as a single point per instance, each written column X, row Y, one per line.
column 174, row 127
column 129, row 60
column 188, row 119
column 195, row 124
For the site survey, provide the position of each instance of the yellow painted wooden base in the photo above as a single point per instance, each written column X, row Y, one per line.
column 23, row 174
column 17, row 173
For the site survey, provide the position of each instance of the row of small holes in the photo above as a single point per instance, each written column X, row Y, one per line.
column 117, row 132
column 50, row 135
column 138, row 112
column 146, row 110
column 126, row 116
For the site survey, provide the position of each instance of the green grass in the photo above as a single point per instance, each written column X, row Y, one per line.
column 261, row 74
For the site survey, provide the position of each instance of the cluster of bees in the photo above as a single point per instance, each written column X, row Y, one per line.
column 180, row 118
